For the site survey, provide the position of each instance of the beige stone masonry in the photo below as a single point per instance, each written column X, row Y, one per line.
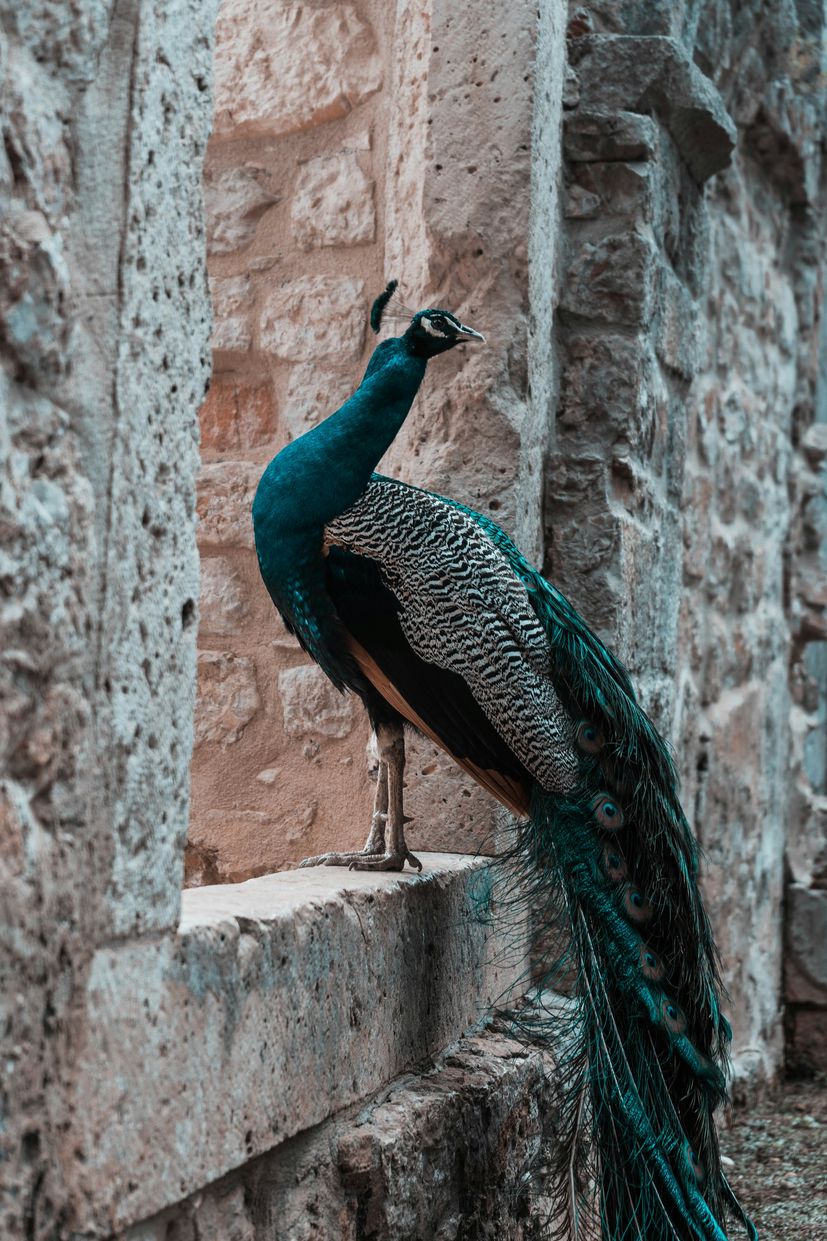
column 281, row 1001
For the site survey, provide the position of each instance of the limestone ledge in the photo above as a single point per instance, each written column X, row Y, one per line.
column 279, row 1002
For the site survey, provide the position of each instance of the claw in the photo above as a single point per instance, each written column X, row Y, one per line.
column 386, row 861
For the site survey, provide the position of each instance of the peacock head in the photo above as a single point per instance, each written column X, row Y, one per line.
column 430, row 331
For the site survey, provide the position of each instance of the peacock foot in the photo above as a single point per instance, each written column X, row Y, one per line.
column 386, row 861
column 364, row 860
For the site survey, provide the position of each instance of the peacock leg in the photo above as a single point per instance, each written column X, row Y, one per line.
column 390, row 742
column 387, row 813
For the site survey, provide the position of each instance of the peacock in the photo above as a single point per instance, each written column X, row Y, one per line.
column 427, row 611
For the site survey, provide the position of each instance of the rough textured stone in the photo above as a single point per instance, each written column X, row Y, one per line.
column 620, row 72
column 225, row 496
column 235, row 200
column 806, row 1044
column 224, row 599
column 314, row 317
column 805, row 969
column 231, row 312
column 104, row 332
column 237, row 416
column 313, row 392
column 612, row 280
column 312, row 705
column 673, row 495
column 332, row 203
column 284, row 68
column 592, row 137
column 319, row 970
column 231, row 846
column 484, row 1113
column 227, row 697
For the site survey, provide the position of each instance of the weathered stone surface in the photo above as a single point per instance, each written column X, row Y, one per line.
column 314, row 317
column 484, row 1113
column 284, row 68
column 620, row 72
column 316, row 969
column 612, row 280
column 237, row 416
column 224, row 599
column 313, row 392
column 229, row 846
column 806, row 1045
column 805, row 966
column 234, row 201
column 599, row 137
column 104, row 332
column 312, row 706
column 332, row 203
column 227, row 696
column 225, row 497
column 444, row 803
column 231, row 312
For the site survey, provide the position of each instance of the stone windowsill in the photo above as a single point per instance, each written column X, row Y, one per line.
column 279, row 1002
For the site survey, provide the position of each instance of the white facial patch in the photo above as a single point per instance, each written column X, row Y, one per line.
column 432, row 329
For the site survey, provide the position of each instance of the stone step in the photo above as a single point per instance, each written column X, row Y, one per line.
column 458, row 1149
column 279, row 1002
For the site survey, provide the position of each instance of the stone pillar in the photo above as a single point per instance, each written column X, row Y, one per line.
column 103, row 332
column 685, row 333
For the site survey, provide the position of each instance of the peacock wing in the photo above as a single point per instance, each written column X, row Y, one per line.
column 444, row 616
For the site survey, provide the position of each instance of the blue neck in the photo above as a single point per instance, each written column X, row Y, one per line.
column 324, row 472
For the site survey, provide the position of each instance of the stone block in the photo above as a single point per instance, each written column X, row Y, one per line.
column 315, row 317
column 231, row 312
column 234, row 202
column 620, row 72
column 229, row 846
column 594, row 137
column 602, row 384
column 332, row 203
column 224, row 602
column 313, row 392
column 282, row 68
column 237, row 416
column 227, row 697
column 806, row 940
column 281, row 1001
column 312, row 706
column 225, row 497
column 612, row 280
column 807, row 1041
column 677, row 330
column 612, row 189
column 458, row 1149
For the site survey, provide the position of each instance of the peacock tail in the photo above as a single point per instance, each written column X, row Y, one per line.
column 428, row 611
column 604, row 848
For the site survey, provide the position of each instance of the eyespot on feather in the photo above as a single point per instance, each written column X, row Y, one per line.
column 607, row 812
column 614, row 864
column 695, row 1165
column 673, row 1017
column 636, row 904
column 651, row 965
column 589, row 738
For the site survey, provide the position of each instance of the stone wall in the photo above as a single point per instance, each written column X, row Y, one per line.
column 689, row 340
column 104, row 332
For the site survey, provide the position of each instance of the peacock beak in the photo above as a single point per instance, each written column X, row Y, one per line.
column 470, row 333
